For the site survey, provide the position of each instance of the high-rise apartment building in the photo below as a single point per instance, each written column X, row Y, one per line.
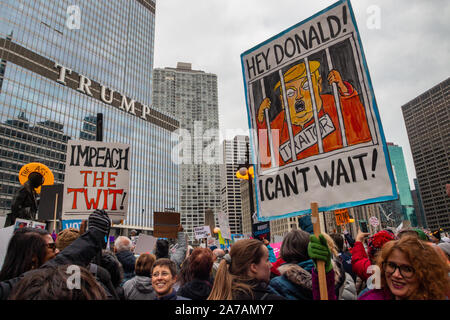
column 190, row 96
column 427, row 120
column 234, row 156
column 62, row 63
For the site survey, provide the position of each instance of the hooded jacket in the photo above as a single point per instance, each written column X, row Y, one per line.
column 295, row 282
column 345, row 287
column 196, row 289
column 139, row 288
column 128, row 261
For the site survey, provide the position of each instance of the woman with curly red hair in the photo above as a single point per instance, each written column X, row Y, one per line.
column 410, row 270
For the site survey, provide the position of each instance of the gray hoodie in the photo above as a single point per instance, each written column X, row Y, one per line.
column 139, row 288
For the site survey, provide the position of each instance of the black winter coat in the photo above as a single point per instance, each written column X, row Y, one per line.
column 260, row 291
column 79, row 252
column 196, row 289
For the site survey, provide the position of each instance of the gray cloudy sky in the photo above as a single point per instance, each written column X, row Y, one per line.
column 407, row 55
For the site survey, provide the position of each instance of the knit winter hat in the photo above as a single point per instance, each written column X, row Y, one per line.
column 377, row 241
column 66, row 237
column 421, row 234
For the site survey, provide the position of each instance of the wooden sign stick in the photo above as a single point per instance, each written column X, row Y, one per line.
column 320, row 264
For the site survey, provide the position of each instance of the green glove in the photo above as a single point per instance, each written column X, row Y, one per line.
column 318, row 250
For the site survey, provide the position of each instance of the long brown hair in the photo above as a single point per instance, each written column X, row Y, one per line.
column 431, row 271
column 232, row 277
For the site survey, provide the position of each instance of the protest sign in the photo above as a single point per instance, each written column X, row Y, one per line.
column 223, row 225
column 38, row 225
column 202, row 232
column 22, row 223
column 145, row 244
column 342, row 216
column 71, row 224
column 316, row 132
column 5, row 236
column 165, row 224
column 46, row 173
column 374, row 222
column 237, row 236
column 276, row 248
column 48, row 197
column 97, row 177
column 261, row 230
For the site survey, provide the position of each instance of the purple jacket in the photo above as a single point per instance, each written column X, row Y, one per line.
column 330, row 285
column 377, row 294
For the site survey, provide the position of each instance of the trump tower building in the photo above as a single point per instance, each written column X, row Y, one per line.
column 62, row 63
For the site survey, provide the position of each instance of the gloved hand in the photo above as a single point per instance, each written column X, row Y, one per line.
column 318, row 250
column 99, row 220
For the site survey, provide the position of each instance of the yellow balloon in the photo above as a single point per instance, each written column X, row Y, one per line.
column 25, row 171
column 216, row 230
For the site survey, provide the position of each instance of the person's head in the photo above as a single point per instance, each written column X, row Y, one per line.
column 200, row 263
column 133, row 233
column 122, row 243
column 36, row 179
column 294, row 248
column 338, row 240
column 66, row 237
column 162, row 249
column 248, row 260
column 144, row 265
column 218, row 254
column 331, row 244
column 164, row 276
column 413, row 232
column 54, row 283
column 26, row 250
column 110, row 262
column 412, row 269
column 298, row 92
column 377, row 241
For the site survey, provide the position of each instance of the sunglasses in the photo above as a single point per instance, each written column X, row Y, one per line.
column 52, row 246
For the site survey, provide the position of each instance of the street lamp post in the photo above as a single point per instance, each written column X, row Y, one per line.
column 246, row 172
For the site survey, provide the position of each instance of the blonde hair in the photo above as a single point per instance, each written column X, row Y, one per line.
column 331, row 244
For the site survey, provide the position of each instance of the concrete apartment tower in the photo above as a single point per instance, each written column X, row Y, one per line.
column 190, row 96
column 427, row 120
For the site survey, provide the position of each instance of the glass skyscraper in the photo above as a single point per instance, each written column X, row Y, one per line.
column 403, row 208
column 60, row 65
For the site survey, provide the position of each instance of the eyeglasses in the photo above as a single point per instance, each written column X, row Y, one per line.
column 405, row 270
column 51, row 245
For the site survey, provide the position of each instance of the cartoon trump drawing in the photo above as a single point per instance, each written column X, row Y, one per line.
column 342, row 123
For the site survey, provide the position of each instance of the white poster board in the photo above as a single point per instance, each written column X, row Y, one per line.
column 5, row 236
column 144, row 244
column 202, row 232
column 313, row 78
column 97, row 177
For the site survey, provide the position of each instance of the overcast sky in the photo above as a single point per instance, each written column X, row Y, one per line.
column 408, row 54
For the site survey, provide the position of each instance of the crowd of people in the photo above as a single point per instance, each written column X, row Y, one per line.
column 408, row 265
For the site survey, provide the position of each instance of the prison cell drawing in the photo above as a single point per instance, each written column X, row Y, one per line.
column 322, row 92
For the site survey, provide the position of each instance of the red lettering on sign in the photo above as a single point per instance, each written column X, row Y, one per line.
column 75, row 190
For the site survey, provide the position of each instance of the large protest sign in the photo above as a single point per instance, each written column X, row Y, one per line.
column 97, row 177
column 165, row 224
column 313, row 78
